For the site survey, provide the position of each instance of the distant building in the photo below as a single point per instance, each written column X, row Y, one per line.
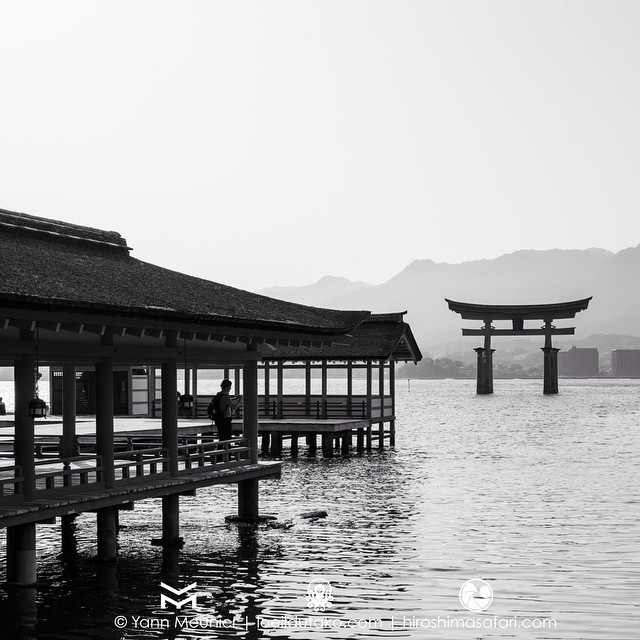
column 625, row 362
column 579, row 362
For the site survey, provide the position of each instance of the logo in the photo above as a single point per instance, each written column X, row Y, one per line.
column 319, row 593
column 476, row 595
column 164, row 600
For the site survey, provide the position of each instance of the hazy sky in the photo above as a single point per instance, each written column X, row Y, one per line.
column 264, row 143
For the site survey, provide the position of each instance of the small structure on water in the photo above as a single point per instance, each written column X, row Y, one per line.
column 517, row 314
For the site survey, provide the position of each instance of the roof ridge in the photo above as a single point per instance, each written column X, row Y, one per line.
column 56, row 228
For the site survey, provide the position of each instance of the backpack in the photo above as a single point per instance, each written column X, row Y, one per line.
column 215, row 409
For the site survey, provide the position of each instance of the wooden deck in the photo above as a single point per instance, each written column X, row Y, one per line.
column 79, row 500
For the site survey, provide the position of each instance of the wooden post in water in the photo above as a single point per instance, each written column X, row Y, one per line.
column 171, row 503
column 21, row 539
column 550, row 385
column 392, row 392
column 248, row 506
column 106, row 517
column 21, row 554
column 485, row 361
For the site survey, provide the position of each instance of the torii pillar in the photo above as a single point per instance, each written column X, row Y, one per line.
column 484, row 384
column 550, row 361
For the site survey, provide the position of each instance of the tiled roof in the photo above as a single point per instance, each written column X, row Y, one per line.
column 53, row 265
column 379, row 337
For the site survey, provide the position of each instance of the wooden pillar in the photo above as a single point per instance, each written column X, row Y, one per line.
column 194, row 386
column 171, row 519
column 381, row 394
column 550, row 385
column 324, row 388
column 349, row 388
column 485, row 362
column 68, row 446
column 21, row 554
column 392, row 393
column 151, row 386
column 169, row 407
column 276, row 444
column 267, row 388
column 24, row 432
column 346, row 443
column 307, row 387
column 294, row 444
column 107, row 533
column 280, row 387
column 104, row 413
column 248, row 489
column 312, row 443
column 236, row 379
column 327, row 445
column 266, row 437
column 360, row 440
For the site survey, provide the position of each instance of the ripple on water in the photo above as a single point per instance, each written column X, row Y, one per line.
column 536, row 494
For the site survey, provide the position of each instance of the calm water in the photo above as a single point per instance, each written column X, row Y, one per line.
column 536, row 495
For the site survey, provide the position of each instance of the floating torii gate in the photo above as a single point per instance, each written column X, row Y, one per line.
column 517, row 314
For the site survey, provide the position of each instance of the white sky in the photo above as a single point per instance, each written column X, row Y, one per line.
column 264, row 143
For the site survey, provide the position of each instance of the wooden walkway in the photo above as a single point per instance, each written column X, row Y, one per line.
column 79, row 499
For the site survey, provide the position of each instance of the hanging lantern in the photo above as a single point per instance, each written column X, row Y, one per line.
column 37, row 408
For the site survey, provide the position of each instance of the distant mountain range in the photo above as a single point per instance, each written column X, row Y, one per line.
column 525, row 277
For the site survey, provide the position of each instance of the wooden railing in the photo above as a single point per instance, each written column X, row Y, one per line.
column 56, row 477
column 300, row 406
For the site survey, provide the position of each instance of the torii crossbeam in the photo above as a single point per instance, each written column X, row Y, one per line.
column 517, row 314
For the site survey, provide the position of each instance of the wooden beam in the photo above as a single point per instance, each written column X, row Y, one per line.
column 562, row 331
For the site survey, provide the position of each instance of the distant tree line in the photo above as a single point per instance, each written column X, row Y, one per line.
column 449, row 368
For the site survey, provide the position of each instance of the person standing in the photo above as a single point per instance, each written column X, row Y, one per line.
column 222, row 408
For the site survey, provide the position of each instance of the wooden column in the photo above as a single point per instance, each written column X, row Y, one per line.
column 171, row 520
column 169, row 408
column 369, row 398
column 194, row 386
column 106, row 517
column 267, row 389
column 550, row 385
column 68, row 447
column 24, row 437
column 248, row 489
column 324, row 388
column 276, row 444
column 280, row 387
column 327, row 445
column 294, row 444
column 21, row 539
column 392, row 393
column 104, row 413
column 307, row 387
column 485, row 362
column 21, row 554
column 381, row 393
column 349, row 388
column 151, row 389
